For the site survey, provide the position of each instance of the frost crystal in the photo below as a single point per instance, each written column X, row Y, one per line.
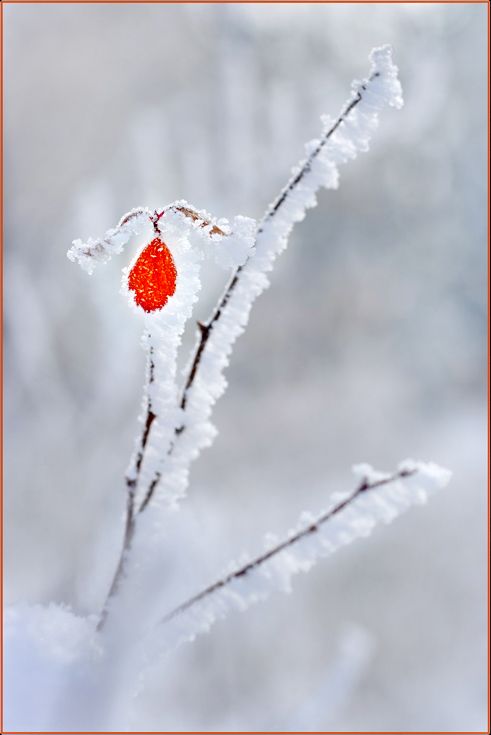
column 100, row 251
column 342, row 139
column 176, row 422
column 176, row 419
column 181, row 424
column 189, row 243
column 380, row 497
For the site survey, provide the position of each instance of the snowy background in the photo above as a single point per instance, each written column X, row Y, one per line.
column 369, row 346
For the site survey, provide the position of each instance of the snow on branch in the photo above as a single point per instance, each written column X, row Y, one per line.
column 378, row 497
column 341, row 140
column 163, row 283
column 100, row 250
column 185, row 237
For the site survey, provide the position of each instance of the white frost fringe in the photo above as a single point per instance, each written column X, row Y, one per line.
column 352, row 135
column 100, row 251
column 248, row 247
column 382, row 88
column 67, row 672
column 382, row 498
column 252, row 249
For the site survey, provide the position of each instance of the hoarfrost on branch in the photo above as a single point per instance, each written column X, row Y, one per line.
column 176, row 411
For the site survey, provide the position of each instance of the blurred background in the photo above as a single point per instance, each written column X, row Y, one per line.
column 369, row 346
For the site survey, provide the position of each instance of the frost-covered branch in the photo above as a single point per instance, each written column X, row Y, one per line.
column 378, row 497
column 99, row 251
column 191, row 236
column 175, row 420
column 341, row 140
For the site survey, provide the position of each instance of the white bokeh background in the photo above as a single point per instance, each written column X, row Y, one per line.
column 369, row 346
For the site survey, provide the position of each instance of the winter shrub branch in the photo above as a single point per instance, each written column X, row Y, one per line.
column 163, row 283
column 378, row 497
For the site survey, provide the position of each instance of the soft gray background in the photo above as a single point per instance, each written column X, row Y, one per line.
column 370, row 345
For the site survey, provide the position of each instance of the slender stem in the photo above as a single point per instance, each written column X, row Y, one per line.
column 128, row 538
column 205, row 329
column 291, row 541
column 133, row 476
column 131, row 481
column 204, row 335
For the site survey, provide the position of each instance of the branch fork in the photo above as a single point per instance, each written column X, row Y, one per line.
column 176, row 418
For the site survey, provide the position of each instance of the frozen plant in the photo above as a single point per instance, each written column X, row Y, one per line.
column 162, row 284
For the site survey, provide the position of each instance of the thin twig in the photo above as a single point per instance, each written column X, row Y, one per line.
column 206, row 328
column 151, row 416
column 191, row 214
column 131, row 481
column 291, row 541
column 204, row 334
column 133, row 476
column 131, row 215
column 129, row 532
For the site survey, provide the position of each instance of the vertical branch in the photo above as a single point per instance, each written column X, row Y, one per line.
column 249, row 280
column 379, row 498
column 131, row 481
column 129, row 531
